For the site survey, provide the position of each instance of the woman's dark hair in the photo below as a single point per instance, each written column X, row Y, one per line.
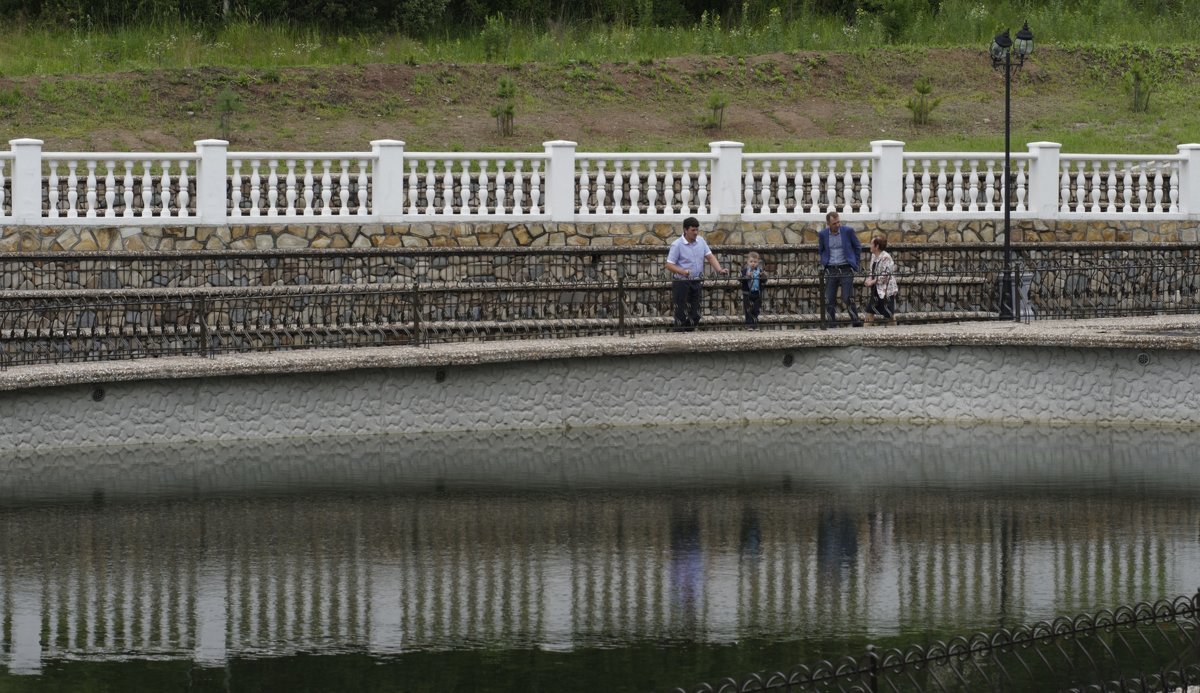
column 879, row 241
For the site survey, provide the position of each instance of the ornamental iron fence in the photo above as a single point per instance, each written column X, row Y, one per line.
column 84, row 306
column 1143, row 647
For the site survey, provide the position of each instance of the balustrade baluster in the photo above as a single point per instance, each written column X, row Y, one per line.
column 1110, row 188
column 1174, row 192
column 326, row 188
column 973, row 187
column 685, row 189
column 601, row 187
column 72, row 190
column 814, row 188
column 448, row 187
column 910, row 185
column 1158, row 189
column 344, row 188
column 926, row 184
column 52, row 205
column 958, row 186
column 483, row 196
column 1096, row 187
column 518, row 186
column 273, row 188
column 618, row 189
column 1081, row 195
column 634, row 188
column 941, row 185
column 308, row 189
column 290, row 191
column 989, row 187
column 848, row 187
column 362, row 188
column 781, row 189
column 91, row 189
column 255, row 187
column 585, row 191
column 1021, row 185
column 864, row 187
column 235, row 189
column 1127, row 190
column 748, row 178
column 669, row 189
column 501, row 187
column 464, row 189
column 831, row 186
column 127, row 189
column 148, row 207
column 535, row 187
column 1064, row 188
column 110, row 188
column 184, row 196
column 414, row 188
column 1143, row 191
column 430, row 187
column 652, row 189
column 702, row 189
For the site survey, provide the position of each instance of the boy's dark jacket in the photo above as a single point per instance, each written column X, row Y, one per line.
column 745, row 279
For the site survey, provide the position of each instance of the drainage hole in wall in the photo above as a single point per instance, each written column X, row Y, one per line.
column 788, row 360
column 440, row 375
column 1143, row 358
column 97, row 393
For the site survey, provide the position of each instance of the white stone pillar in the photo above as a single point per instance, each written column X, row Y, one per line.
column 887, row 181
column 560, row 180
column 1043, row 188
column 212, row 183
column 725, row 197
column 26, row 181
column 1189, row 180
column 387, row 180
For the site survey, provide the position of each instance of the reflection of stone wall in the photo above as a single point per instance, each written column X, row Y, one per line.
column 535, row 234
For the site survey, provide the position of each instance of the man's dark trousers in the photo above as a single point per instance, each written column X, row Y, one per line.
column 840, row 276
column 685, row 296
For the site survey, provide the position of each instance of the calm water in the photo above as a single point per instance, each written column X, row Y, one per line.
column 626, row 559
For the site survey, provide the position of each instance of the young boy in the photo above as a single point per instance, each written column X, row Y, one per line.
column 753, row 279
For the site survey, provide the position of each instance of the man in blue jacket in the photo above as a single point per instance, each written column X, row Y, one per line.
column 840, row 251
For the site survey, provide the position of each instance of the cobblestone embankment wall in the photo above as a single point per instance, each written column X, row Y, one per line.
column 1007, row 384
column 534, row 234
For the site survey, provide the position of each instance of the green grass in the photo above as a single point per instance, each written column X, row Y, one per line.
column 1105, row 24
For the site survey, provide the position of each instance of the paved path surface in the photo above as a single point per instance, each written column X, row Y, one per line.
column 1154, row 332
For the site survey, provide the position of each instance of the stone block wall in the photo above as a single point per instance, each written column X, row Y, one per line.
column 549, row 234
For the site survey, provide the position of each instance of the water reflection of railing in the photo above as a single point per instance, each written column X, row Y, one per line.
column 1144, row 647
column 430, row 542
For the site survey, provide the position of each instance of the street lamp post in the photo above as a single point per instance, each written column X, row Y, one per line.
column 1007, row 55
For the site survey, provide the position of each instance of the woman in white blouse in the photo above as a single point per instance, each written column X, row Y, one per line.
column 882, row 282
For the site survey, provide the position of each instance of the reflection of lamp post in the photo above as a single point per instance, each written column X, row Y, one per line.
column 1005, row 55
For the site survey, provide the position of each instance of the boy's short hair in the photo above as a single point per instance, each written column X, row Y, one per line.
column 752, row 256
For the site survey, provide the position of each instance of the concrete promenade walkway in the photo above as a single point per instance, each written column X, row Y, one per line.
column 1174, row 332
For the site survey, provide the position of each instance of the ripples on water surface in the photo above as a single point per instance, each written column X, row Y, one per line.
column 626, row 559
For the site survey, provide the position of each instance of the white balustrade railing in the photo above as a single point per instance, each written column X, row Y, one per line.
column 963, row 182
column 654, row 185
column 214, row 186
column 299, row 184
column 459, row 184
column 1112, row 184
column 109, row 186
column 798, row 184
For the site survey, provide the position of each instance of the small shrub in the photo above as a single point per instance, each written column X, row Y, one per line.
column 496, row 36
column 227, row 103
column 505, row 111
column 717, row 101
column 921, row 104
column 1138, row 82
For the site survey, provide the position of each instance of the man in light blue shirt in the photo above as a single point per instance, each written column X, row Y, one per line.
column 685, row 262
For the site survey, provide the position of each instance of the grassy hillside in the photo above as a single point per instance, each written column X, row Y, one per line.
column 788, row 101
